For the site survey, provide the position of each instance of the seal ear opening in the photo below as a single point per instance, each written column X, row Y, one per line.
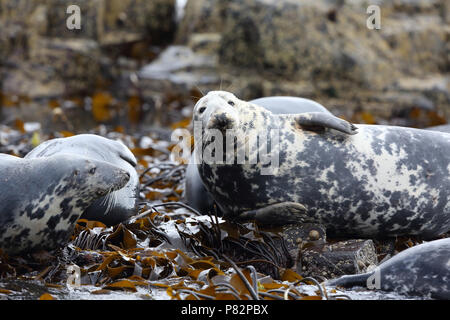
column 319, row 121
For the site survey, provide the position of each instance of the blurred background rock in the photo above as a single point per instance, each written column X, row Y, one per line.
column 140, row 63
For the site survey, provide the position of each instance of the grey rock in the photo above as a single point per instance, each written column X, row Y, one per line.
column 334, row 259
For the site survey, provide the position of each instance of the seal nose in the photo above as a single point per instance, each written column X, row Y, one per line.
column 222, row 119
column 121, row 178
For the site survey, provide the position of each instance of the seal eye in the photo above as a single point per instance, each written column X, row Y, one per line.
column 76, row 172
column 231, row 103
column 202, row 109
column 92, row 171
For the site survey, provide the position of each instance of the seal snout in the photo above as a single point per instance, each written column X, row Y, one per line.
column 221, row 121
column 123, row 178
column 126, row 177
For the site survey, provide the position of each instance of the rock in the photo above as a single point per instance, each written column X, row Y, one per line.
column 431, row 92
column 296, row 234
column 102, row 18
column 255, row 31
column 420, row 42
column 106, row 21
column 179, row 65
column 323, row 50
column 206, row 43
column 55, row 67
column 33, row 81
column 177, row 72
column 330, row 260
column 200, row 16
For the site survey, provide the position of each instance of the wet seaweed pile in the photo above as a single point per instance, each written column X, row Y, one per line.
column 167, row 251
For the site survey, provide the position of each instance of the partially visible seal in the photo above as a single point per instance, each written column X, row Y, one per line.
column 442, row 128
column 41, row 199
column 423, row 270
column 364, row 181
column 116, row 206
column 196, row 194
column 289, row 105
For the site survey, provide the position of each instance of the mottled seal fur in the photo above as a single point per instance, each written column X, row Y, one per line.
column 196, row 194
column 369, row 181
column 116, row 206
column 420, row 270
column 41, row 199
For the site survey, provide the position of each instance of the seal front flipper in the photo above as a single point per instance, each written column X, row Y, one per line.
column 279, row 213
column 318, row 121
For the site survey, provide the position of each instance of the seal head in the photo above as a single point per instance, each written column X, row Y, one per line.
column 41, row 199
column 116, row 206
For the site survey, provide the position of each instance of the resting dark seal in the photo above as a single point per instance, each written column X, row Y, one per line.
column 196, row 194
column 366, row 181
column 422, row 270
column 41, row 199
column 116, row 206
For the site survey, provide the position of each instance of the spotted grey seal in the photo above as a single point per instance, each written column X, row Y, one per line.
column 41, row 199
column 116, row 206
column 365, row 181
column 422, row 269
column 196, row 194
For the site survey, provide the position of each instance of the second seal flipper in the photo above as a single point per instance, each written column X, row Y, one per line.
column 275, row 213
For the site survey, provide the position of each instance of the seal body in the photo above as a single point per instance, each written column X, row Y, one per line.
column 376, row 181
column 423, row 270
column 41, row 199
column 442, row 128
column 289, row 105
column 116, row 206
column 195, row 192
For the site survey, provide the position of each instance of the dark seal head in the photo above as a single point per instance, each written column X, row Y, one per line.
column 365, row 181
column 41, row 199
column 420, row 270
column 116, row 206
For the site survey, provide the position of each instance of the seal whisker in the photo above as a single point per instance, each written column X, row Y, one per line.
column 198, row 88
